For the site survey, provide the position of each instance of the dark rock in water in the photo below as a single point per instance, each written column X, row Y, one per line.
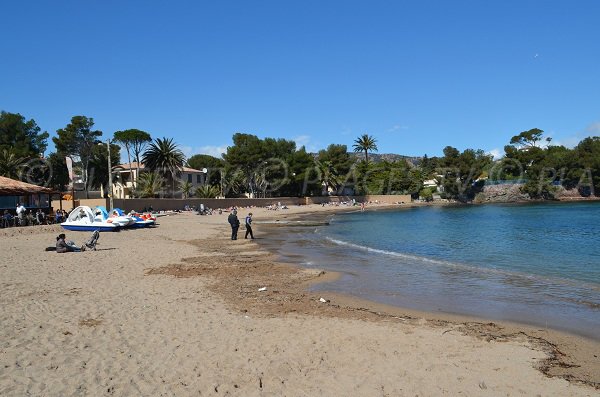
column 502, row 194
column 511, row 193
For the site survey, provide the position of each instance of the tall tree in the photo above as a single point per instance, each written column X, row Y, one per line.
column 98, row 167
column 78, row 139
column 529, row 138
column 246, row 154
column 365, row 143
column 164, row 156
column 462, row 171
column 199, row 161
column 526, row 159
column 214, row 166
column 333, row 166
column 587, row 153
column 134, row 141
column 59, row 177
column 303, row 175
column 274, row 172
column 10, row 163
column 387, row 177
column 22, row 136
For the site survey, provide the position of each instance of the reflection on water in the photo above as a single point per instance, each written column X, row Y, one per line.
column 538, row 264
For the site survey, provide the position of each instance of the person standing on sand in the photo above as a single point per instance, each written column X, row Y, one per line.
column 21, row 214
column 235, row 224
column 249, row 226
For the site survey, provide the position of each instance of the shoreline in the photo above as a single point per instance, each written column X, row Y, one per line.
column 179, row 309
column 320, row 219
column 555, row 340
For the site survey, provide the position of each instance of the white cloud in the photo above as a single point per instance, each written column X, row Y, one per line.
column 346, row 130
column 568, row 142
column 593, row 128
column 187, row 150
column 302, row 140
column 397, row 127
column 571, row 141
column 306, row 141
column 496, row 153
column 215, row 151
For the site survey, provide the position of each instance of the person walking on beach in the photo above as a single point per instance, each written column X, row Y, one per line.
column 235, row 224
column 249, row 226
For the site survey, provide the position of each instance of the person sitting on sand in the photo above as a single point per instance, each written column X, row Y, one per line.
column 62, row 246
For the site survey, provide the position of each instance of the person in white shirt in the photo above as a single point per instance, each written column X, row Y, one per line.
column 21, row 210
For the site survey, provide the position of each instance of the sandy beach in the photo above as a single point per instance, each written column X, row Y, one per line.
column 176, row 311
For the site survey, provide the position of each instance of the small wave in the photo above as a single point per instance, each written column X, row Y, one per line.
column 398, row 254
column 465, row 267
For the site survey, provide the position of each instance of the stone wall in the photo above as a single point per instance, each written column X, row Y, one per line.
column 179, row 204
column 381, row 198
column 166, row 204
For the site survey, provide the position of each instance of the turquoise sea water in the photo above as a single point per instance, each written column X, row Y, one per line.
column 534, row 263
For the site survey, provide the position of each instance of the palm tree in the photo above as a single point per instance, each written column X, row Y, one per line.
column 150, row 184
column 165, row 157
column 207, row 191
column 231, row 180
column 365, row 143
column 186, row 189
column 328, row 175
column 10, row 164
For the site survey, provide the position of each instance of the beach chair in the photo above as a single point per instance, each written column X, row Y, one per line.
column 92, row 241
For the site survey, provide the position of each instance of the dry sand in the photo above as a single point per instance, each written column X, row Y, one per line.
column 176, row 310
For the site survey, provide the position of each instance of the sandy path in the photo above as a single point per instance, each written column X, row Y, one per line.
column 94, row 323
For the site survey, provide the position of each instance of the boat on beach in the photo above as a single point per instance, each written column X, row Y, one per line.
column 118, row 217
column 83, row 219
column 142, row 220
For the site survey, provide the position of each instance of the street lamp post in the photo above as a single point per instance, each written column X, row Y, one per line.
column 110, row 184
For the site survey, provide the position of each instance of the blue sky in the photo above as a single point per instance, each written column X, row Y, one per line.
column 416, row 75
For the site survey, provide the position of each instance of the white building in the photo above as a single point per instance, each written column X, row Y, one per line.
column 434, row 184
column 124, row 179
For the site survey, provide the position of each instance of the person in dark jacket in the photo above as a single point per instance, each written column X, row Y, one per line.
column 62, row 246
column 249, row 226
column 235, row 224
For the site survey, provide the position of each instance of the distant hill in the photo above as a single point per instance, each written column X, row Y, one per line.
column 379, row 157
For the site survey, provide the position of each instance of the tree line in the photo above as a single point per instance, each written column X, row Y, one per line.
column 271, row 167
